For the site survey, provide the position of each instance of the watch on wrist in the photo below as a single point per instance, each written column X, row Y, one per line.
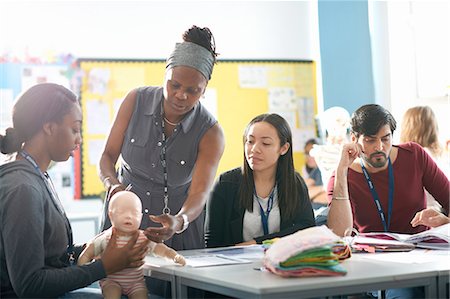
column 185, row 224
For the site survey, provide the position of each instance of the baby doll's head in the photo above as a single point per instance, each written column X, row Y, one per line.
column 125, row 211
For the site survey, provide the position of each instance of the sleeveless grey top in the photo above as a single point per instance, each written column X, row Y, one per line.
column 140, row 163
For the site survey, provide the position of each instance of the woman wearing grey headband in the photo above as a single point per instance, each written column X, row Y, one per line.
column 169, row 146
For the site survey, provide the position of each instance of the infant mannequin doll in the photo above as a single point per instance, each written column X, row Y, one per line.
column 125, row 212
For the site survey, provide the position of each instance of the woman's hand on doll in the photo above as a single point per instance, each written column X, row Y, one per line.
column 168, row 229
column 114, row 189
column 128, row 256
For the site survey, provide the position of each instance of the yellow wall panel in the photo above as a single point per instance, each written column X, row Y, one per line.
column 106, row 82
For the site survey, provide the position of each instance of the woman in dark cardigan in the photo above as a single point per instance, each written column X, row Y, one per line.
column 264, row 199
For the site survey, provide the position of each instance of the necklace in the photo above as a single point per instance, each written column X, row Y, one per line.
column 169, row 122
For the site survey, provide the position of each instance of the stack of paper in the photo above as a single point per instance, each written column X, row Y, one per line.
column 377, row 243
column 435, row 238
column 309, row 252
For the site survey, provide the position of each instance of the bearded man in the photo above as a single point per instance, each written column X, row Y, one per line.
column 379, row 186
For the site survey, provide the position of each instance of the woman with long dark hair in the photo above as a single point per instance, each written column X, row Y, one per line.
column 266, row 197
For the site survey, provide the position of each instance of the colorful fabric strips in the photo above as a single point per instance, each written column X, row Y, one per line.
column 317, row 253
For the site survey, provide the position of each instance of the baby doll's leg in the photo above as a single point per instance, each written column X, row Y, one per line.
column 111, row 289
column 163, row 250
column 138, row 291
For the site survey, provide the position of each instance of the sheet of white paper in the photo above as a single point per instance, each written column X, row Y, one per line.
column 6, row 105
column 305, row 112
column 32, row 75
column 213, row 260
column 299, row 138
column 252, row 76
column 282, row 98
column 253, row 252
column 210, row 101
column 98, row 80
column 95, row 148
column 98, row 117
column 289, row 116
column 416, row 256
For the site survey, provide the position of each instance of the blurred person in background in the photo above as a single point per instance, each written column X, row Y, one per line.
column 335, row 125
column 420, row 125
column 313, row 177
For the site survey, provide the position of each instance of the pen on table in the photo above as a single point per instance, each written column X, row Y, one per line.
column 128, row 188
column 260, row 269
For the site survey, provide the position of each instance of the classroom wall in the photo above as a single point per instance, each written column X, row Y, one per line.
column 358, row 40
column 149, row 29
column 346, row 56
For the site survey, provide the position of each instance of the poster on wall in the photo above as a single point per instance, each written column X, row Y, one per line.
column 34, row 74
column 6, row 105
column 62, row 173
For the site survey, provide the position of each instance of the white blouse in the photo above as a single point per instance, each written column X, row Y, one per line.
column 252, row 226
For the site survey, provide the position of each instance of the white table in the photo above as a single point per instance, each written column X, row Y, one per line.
column 366, row 272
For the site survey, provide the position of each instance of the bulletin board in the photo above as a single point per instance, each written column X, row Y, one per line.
column 238, row 91
column 15, row 78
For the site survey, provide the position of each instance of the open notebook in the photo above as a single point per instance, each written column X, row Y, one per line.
column 435, row 238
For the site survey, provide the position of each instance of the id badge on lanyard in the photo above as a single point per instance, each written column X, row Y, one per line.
column 265, row 214
column 386, row 222
column 54, row 196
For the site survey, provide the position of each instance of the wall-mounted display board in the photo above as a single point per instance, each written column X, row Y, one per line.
column 16, row 77
column 237, row 92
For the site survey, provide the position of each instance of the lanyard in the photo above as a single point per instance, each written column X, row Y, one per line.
column 376, row 199
column 52, row 191
column 265, row 214
column 166, row 209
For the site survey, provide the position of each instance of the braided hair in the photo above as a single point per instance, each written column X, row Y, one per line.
column 202, row 37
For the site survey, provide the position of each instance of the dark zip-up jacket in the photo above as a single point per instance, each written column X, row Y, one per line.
column 34, row 239
column 225, row 217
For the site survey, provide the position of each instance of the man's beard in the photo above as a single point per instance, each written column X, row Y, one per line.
column 377, row 162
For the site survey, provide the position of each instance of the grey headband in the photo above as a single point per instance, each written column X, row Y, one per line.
column 192, row 55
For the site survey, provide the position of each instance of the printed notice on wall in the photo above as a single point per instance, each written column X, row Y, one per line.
column 252, row 76
column 98, row 80
column 305, row 112
column 6, row 105
column 282, row 99
column 299, row 138
column 95, row 149
column 32, row 75
column 98, row 117
column 209, row 101
column 289, row 116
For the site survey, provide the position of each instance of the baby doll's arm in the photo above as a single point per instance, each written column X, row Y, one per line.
column 162, row 250
column 93, row 249
column 87, row 255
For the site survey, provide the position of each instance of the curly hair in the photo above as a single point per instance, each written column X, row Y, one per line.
column 202, row 37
